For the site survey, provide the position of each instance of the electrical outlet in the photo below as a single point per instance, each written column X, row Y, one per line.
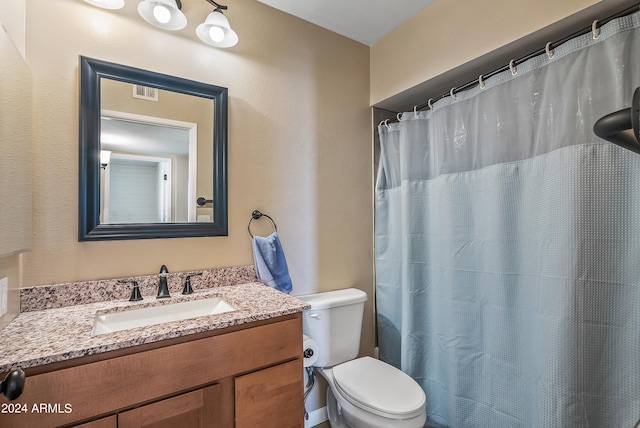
column 4, row 291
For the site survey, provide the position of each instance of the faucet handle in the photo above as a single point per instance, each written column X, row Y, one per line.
column 135, row 293
column 187, row 283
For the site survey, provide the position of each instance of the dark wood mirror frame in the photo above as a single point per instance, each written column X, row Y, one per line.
column 89, row 227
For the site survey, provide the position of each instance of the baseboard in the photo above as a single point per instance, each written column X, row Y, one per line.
column 316, row 417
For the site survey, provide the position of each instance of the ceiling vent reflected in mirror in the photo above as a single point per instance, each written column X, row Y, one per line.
column 145, row 93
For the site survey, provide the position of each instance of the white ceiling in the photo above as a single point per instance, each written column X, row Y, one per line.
column 143, row 138
column 365, row 21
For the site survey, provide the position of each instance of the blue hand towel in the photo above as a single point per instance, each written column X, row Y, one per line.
column 271, row 265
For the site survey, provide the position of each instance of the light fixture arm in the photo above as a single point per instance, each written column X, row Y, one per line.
column 218, row 7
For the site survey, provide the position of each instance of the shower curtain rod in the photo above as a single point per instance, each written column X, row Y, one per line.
column 513, row 63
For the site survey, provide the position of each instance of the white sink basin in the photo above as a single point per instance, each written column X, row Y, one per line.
column 152, row 315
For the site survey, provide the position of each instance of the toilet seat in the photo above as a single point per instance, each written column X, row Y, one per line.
column 379, row 388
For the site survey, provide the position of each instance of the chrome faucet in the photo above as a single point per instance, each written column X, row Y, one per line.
column 163, row 288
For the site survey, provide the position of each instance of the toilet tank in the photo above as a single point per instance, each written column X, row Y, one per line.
column 334, row 322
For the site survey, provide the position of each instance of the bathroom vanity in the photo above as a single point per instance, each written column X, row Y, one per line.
column 235, row 369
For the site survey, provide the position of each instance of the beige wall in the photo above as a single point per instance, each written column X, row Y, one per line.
column 299, row 143
column 15, row 152
column 10, row 268
column 12, row 17
column 290, row 141
column 15, row 149
column 454, row 41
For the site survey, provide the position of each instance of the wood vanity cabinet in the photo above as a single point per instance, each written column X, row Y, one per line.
column 108, row 422
column 191, row 409
column 249, row 376
column 262, row 398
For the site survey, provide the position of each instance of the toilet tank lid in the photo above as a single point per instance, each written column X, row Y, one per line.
column 332, row 299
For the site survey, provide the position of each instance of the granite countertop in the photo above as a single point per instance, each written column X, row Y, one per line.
column 52, row 335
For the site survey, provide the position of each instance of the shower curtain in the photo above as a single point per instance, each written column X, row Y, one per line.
column 508, row 244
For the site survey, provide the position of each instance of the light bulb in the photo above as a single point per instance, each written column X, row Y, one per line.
column 105, row 157
column 216, row 33
column 161, row 13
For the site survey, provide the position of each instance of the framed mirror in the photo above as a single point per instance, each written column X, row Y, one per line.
column 153, row 155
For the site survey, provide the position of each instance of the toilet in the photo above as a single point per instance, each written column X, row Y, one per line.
column 363, row 392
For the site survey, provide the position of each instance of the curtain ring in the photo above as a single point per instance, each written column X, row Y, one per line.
column 512, row 66
column 415, row 111
column 481, row 82
column 430, row 104
column 386, row 123
column 398, row 116
column 453, row 95
column 594, row 30
column 550, row 53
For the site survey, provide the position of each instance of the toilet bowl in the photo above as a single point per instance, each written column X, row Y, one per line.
column 363, row 392
column 369, row 393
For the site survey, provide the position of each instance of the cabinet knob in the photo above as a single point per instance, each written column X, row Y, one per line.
column 13, row 384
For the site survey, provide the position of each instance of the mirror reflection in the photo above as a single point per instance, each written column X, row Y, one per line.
column 156, row 149
column 153, row 151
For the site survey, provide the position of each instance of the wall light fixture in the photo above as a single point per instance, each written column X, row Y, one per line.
column 105, row 157
column 167, row 14
column 215, row 30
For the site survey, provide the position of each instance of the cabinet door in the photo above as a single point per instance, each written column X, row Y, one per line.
column 197, row 409
column 271, row 398
column 108, row 422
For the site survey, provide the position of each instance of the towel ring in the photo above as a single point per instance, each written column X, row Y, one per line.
column 255, row 215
